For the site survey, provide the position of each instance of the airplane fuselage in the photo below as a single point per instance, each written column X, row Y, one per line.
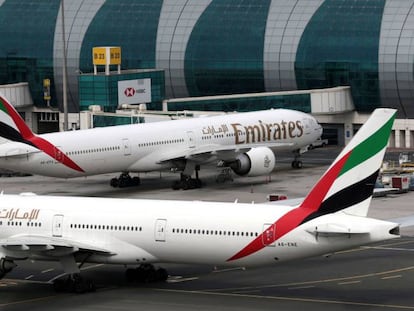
column 148, row 231
column 155, row 146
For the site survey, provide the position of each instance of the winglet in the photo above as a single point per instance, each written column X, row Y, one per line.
column 346, row 186
column 13, row 127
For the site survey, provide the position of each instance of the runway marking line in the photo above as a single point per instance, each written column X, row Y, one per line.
column 228, row 270
column 341, row 279
column 363, row 248
column 391, row 277
column 181, row 279
column 350, row 282
column 324, row 301
column 302, row 287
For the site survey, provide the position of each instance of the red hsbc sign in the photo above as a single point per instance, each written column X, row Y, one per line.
column 137, row 91
column 129, row 92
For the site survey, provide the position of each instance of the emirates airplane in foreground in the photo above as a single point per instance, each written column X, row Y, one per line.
column 246, row 142
column 140, row 233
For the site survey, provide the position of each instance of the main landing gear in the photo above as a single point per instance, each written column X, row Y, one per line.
column 146, row 273
column 74, row 283
column 186, row 181
column 125, row 180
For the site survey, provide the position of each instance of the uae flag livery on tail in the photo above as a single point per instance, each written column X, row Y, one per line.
column 13, row 128
column 347, row 185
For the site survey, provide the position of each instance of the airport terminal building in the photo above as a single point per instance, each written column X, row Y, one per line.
column 218, row 47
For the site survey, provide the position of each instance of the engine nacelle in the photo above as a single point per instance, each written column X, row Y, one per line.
column 6, row 266
column 257, row 162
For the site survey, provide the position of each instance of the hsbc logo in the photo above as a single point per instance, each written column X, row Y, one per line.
column 129, row 92
column 133, row 92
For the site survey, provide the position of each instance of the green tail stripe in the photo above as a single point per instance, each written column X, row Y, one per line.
column 368, row 148
column 3, row 107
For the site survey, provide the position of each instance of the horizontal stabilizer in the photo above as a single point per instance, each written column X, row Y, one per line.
column 18, row 153
column 335, row 229
column 407, row 221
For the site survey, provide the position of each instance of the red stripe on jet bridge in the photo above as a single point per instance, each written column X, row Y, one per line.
column 54, row 152
column 294, row 218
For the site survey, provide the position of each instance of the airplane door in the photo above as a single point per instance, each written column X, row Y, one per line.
column 191, row 139
column 269, row 234
column 160, row 228
column 57, row 225
column 126, row 146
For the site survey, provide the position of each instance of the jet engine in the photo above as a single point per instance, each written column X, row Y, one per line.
column 6, row 266
column 256, row 162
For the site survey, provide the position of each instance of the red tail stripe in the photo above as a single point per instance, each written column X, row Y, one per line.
column 54, row 152
column 294, row 218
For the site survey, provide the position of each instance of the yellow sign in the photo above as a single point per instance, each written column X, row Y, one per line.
column 46, row 89
column 106, row 55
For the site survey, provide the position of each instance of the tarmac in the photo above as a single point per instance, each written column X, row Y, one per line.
column 366, row 278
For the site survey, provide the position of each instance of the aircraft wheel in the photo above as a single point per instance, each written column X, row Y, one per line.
column 186, row 185
column 59, row 285
column 131, row 275
column 162, row 274
column 114, row 182
column 136, row 181
column 82, row 286
column 176, row 185
column 297, row 164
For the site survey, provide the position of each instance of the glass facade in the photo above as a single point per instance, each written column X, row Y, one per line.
column 216, row 47
column 130, row 24
column 26, row 32
column 340, row 47
column 105, row 120
column 102, row 89
column 300, row 102
column 225, row 52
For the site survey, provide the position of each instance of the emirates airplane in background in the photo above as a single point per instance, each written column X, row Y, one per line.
column 140, row 233
column 246, row 142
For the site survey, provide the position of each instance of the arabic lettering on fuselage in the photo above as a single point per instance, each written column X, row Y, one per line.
column 259, row 132
column 12, row 214
column 211, row 130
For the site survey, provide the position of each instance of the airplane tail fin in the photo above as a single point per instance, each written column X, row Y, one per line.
column 346, row 186
column 13, row 128
column 349, row 182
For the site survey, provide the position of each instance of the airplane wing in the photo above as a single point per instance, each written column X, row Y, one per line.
column 49, row 246
column 221, row 152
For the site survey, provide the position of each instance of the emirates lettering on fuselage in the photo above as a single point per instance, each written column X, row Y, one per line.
column 263, row 132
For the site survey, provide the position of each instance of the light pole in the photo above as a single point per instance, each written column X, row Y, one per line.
column 64, row 70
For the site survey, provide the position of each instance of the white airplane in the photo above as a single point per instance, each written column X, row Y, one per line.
column 245, row 141
column 140, row 233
